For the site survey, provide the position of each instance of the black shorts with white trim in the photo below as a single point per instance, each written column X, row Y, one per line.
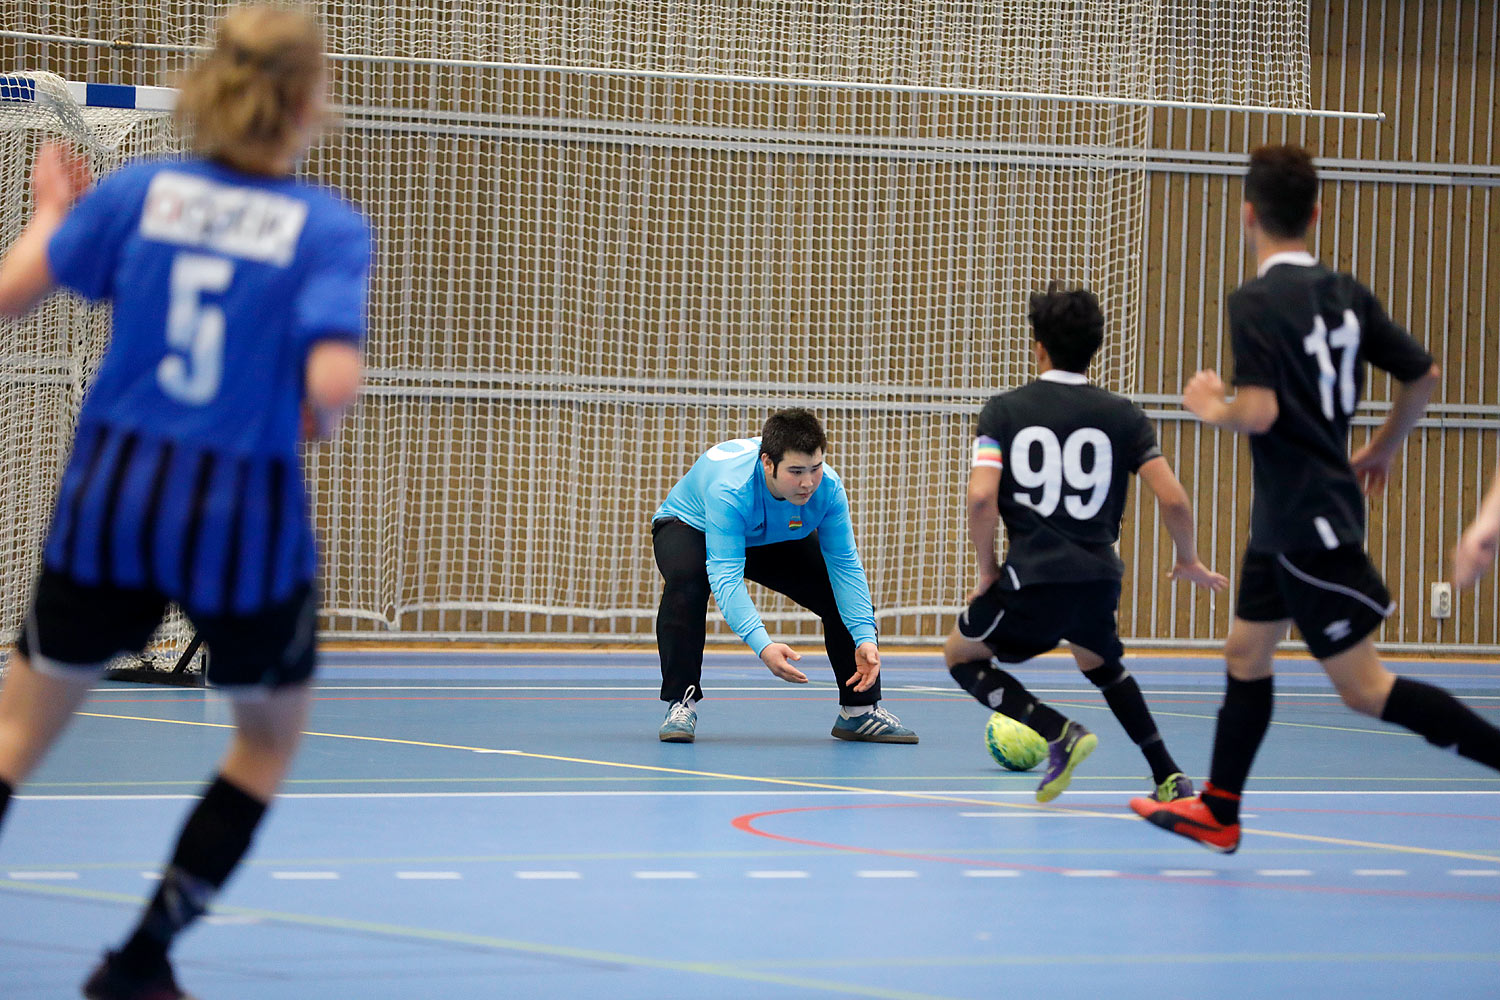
column 1019, row 624
column 75, row 627
column 1335, row 596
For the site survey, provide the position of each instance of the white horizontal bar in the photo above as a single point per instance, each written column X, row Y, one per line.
column 770, row 81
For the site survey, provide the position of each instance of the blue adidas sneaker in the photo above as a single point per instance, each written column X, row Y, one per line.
column 875, row 726
column 681, row 720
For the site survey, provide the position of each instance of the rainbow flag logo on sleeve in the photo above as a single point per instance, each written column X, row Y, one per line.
column 987, row 452
column 794, row 524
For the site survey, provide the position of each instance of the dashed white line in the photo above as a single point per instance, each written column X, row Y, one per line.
column 776, row 874
column 1474, row 872
column 991, row 873
column 1091, row 873
column 552, row 875
column 305, row 876
column 664, row 875
column 1379, row 872
column 429, row 876
column 43, row 876
column 885, row 873
column 1189, row 872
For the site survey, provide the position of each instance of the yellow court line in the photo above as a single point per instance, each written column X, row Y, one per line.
column 820, row 786
column 722, row 970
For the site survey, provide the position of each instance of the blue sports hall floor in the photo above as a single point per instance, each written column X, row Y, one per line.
column 505, row 824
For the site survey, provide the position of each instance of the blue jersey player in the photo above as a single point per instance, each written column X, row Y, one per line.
column 766, row 509
column 239, row 309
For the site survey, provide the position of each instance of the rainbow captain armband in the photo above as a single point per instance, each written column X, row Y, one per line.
column 987, row 453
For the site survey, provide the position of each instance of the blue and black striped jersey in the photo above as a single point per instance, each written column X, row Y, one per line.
column 185, row 475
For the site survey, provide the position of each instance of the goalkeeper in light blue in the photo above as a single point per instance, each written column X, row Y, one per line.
column 766, row 509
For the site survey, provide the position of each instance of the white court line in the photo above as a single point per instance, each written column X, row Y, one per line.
column 817, row 688
column 991, row 873
column 549, row 875
column 429, row 876
column 42, row 876
column 305, row 876
column 1474, row 872
column 885, row 873
column 776, row 874
column 664, row 875
column 1091, row 873
column 1188, row 872
column 1073, row 793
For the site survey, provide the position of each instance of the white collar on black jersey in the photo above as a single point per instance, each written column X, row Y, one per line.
column 1066, row 378
column 1300, row 258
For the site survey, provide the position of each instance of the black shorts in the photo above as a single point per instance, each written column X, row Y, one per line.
column 80, row 627
column 1019, row 624
column 1335, row 596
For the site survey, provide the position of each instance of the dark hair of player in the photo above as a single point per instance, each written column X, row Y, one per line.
column 1069, row 325
column 791, row 430
column 1282, row 187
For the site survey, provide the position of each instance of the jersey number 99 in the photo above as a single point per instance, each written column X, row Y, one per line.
column 194, row 366
column 1062, row 463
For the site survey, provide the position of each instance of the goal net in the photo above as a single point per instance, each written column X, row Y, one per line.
column 47, row 359
column 615, row 232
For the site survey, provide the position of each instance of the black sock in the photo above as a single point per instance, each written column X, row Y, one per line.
column 1445, row 721
column 5, row 791
column 1222, row 805
column 1123, row 695
column 214, row 839
column 999, row 691
column 1243, row 720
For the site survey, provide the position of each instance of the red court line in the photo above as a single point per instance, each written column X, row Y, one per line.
column 746, row 824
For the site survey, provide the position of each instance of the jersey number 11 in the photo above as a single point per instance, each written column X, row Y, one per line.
column 1319, row 344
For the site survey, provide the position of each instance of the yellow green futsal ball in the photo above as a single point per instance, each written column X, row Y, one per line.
column 1014, row 745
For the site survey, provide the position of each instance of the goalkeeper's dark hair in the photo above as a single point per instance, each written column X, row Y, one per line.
column 1069, row 324
column 791, row 430
column 1282, row 187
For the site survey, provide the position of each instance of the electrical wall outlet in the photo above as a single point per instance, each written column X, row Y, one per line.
column 1442, row 600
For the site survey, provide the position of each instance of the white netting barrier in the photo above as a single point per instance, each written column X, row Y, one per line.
column 47, row 359
column 604, row 246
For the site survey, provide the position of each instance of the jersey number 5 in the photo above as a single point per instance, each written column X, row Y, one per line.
column 1319, row 344
column 191, row 372
column 1062, row 463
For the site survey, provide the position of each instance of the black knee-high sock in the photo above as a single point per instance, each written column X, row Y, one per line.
column 5, row 792
column 1123, row 695
column 1445, row 721
column 214, row 839
column 1243, row 720
column 1000, row 692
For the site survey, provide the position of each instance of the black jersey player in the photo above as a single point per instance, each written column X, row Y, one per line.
column 1302, row 335
column 1053, row 460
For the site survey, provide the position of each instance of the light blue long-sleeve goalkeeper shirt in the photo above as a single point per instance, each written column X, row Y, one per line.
column 724, row 495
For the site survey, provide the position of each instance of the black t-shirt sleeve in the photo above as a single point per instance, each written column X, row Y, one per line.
column 1143, row 445
column 1387, row 345
column 992, row 421
column 1254, row 350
